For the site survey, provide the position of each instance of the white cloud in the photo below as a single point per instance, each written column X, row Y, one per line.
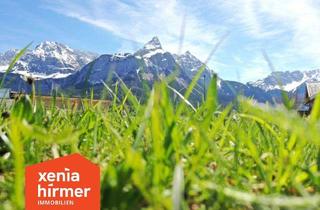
column 294, row 22
column 258, row 68
column 140, row 20
column 288, row 29
column 301, row 18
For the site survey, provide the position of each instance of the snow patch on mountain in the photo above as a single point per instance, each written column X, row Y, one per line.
column 61, row 52
column 150, row 49
column 39, row 76
column 153, row 52
column 153, row 44
column 287, row 87
column 47, row 60
column 7, row 57
column 291, row 86
column 4, row 68
column 287, row 81
column 189, row 61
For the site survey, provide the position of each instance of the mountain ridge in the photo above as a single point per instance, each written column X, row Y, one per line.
column 287, row 80
column 58, row 66
column 47, row 60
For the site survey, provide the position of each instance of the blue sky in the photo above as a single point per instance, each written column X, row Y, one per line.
column 288, row 30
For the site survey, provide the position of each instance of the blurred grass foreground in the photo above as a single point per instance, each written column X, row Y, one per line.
column 160, row 155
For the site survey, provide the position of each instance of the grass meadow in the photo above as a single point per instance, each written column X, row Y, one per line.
column 163, row 155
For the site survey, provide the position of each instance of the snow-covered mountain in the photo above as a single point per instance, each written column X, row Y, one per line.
column 59, row 67
column 47, row 60
column 189, row 62
column 147, row 65
column 6, row 58
column 288, row 81
column 150, row 48
column 186, row 62
column 151, row 63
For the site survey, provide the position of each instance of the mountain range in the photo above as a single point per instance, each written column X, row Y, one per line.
column 55, row 66
column 47, row 60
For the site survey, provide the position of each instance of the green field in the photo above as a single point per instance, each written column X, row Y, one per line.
column 160, row 155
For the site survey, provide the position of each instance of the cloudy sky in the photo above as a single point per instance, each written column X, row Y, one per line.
column 288, row 30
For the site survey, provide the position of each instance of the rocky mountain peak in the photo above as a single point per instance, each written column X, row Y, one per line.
column 49, row 46
column 151, row 48
column 153, row 44
column 189, row 62
column 47, row 60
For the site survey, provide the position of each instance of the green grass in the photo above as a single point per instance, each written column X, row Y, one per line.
column 156, row 155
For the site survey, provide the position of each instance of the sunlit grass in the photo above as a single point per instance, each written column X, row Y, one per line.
column 156, row 155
